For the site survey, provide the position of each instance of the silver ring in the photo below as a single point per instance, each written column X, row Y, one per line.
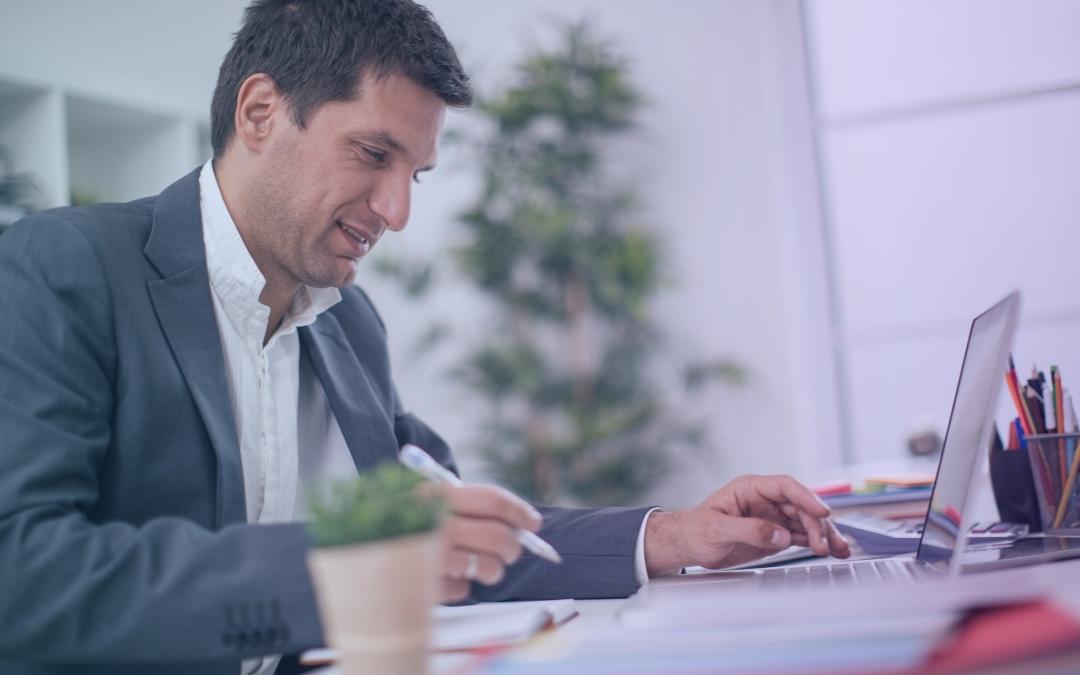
column 470, row 567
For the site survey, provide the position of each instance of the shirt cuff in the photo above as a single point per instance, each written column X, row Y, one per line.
column 640, row 570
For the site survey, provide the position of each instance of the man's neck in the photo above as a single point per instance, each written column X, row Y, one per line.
column 279, row 298
column 281, row 288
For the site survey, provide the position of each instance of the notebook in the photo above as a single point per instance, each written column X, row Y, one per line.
column 482, row 626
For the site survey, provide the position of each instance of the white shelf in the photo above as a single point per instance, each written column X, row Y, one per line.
column 92, row 147
column 31, row 131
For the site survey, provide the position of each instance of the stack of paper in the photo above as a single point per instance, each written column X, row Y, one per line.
column 482, row 626
column 496, row 623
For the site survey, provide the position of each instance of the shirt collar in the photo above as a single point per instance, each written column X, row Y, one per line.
column 235, row 278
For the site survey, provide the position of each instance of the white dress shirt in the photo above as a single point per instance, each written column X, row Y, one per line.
column 277, row 399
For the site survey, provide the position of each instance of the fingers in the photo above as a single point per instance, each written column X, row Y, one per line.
column 755, row 532
column 492, row 502
column 454, row 590
column 491, row 537
column 472, row 566
column 781, row 489
column 798, row 503
column 838, row 546
column 480, row 536
column 815, row 533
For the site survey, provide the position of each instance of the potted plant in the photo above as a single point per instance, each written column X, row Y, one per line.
column 375, row 568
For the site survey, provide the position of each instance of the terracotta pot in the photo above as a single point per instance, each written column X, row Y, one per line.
column 375, row 602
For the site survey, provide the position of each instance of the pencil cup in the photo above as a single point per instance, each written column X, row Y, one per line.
column 1014, row 488
column 375, row 602
column 1054, row 462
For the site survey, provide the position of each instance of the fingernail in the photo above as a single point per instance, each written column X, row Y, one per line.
column 537, row 518
column 778, row 538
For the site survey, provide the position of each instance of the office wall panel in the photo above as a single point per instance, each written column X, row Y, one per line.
column 934, row 215
column 901, row 386
column 874, row 57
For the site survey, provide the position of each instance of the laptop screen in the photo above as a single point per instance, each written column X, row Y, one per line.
column 968, row 434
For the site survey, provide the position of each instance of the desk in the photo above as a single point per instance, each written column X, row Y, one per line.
column 593, row 615
column 555, row 652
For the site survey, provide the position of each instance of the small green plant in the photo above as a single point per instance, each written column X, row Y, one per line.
column 379, row 504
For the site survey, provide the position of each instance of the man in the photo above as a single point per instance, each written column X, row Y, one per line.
column 180, row 372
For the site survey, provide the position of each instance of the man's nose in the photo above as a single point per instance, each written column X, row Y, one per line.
column 390, row 200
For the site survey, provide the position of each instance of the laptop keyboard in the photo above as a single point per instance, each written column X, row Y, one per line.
column 836, row 574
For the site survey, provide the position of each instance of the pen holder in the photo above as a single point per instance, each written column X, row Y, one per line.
column 1014, row 488
column 1054, row 464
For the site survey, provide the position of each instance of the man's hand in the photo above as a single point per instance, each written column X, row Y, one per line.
column 750, row 517
column 479, row 537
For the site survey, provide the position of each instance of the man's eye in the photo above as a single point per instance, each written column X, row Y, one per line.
column 377, row 156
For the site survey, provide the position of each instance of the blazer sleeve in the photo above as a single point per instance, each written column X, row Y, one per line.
column 597, row 545
column 77, row 591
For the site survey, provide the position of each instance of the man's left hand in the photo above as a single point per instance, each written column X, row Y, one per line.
column 750, row 517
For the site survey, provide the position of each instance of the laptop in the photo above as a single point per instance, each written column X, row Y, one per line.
column 948, row 520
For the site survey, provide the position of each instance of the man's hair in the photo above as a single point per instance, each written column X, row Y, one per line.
column 317, row 50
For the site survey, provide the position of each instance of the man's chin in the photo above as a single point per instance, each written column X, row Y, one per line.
column 340, row 276
column 347, row 275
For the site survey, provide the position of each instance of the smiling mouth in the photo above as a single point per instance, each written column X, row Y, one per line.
column 365, row 244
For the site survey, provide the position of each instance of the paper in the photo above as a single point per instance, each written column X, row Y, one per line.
column 480, row 626
column 496, row 623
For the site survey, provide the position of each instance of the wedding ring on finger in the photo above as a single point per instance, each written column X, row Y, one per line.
column 471, row 566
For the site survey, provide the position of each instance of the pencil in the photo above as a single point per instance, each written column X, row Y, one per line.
column 1059, row 411
column 1014, row 390
column 1064, row 501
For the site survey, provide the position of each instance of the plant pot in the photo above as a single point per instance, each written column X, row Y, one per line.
column 375, row 602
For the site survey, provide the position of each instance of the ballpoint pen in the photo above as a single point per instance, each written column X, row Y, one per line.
column 425, row 465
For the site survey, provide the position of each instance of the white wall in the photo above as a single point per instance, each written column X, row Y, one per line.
column 952, row 155
column 702, row 159
column 705, row 157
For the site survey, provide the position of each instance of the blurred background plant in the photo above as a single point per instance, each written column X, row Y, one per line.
column 576, row 410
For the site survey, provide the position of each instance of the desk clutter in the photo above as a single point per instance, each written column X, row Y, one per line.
column 933, row 628
column 903, row 495
column 881, row 536
column 1034, row 470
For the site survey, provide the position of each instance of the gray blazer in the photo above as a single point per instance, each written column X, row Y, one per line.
column 123, row 541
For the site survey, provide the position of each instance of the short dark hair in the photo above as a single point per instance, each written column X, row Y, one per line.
column 317, row 50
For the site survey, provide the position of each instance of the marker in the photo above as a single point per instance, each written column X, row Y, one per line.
column 425, row 465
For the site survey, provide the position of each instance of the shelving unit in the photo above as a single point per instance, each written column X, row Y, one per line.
column 80, row 144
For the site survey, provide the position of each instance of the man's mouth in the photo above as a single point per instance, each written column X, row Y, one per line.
column 360, row 237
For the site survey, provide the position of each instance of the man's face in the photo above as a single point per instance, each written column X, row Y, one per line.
column 325, row 194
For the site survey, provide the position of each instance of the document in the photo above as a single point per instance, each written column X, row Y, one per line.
column 481, row 626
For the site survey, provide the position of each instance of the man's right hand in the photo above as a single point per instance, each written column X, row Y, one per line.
column 479, row 538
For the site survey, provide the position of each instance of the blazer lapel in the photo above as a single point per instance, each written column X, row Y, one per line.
column 364, row 421
column 181, row 299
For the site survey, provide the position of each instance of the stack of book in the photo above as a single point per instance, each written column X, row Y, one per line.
column 892, row 496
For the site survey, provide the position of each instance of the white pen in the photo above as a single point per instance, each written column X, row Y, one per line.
column 425, row 465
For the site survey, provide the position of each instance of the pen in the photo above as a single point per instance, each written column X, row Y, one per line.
column 425, row 465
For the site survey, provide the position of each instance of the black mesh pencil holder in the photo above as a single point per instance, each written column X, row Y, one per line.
column 1054, row 462
column 1014, row 488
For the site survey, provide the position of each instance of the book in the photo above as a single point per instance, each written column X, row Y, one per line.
column 887, row 503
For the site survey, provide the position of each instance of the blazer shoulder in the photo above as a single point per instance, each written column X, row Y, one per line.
column 109, row 228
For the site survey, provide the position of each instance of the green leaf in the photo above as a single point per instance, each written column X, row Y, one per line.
column 378, row 504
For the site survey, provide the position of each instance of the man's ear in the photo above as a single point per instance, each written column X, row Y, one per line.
column 259, row 105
